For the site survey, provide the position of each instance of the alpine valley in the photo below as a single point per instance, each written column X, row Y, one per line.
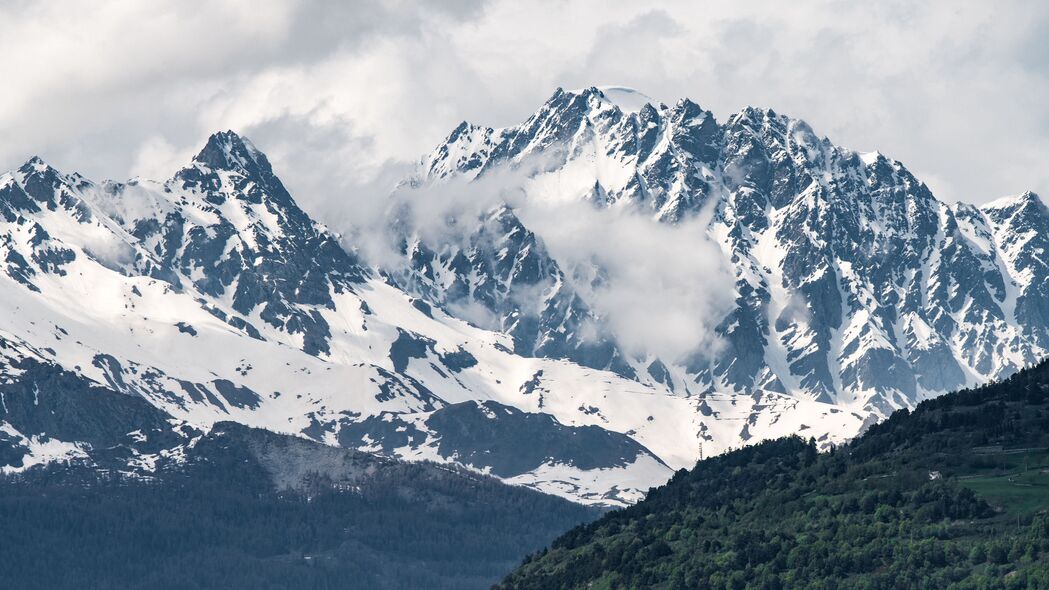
column 212, row 298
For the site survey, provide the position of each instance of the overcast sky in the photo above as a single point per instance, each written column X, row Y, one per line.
column 343, row 98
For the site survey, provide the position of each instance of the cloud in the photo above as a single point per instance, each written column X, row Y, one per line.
column 157, row 158
column 346, row 95
column 663, row 288
column 659, row 288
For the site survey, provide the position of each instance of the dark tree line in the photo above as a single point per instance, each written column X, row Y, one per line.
column 890, row 510
column 220, row 523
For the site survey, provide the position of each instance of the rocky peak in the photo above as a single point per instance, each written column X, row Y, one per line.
column 35, row 165
column 39, row 177
column 854, row 282
column 227, row 150
column 689, row 114
column 230, row 166
column 463, row 131
column 1027, row 203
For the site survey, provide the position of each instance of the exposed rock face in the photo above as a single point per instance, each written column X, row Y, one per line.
column 504, row 270
column 853, row 283
column 212, row 297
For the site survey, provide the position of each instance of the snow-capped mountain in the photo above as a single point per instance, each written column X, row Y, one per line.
column 501, row 276
column 214, row 297
column 853, row 285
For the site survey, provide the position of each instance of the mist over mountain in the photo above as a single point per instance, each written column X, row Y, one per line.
column 852, row 283
column 580, row 304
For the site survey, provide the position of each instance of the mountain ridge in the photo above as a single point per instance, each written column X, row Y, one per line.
column 214, row 297
column 802, row 224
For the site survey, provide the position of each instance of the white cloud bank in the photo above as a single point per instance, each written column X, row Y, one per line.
column 344, row 95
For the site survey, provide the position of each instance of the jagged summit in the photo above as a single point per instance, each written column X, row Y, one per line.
column 1025, row 199
column 230, row 166
column 463, row 129
column 35, row 163
column 42, row 172
column 226, row 150
column 853, row 282
column 629, row 100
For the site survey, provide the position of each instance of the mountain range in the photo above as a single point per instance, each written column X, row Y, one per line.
column 853, row 284
column 215, row 298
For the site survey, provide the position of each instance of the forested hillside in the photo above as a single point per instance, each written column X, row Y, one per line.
column 951, row 495
column 248, row 508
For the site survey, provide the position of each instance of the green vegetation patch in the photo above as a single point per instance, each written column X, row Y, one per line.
column 951, row 495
